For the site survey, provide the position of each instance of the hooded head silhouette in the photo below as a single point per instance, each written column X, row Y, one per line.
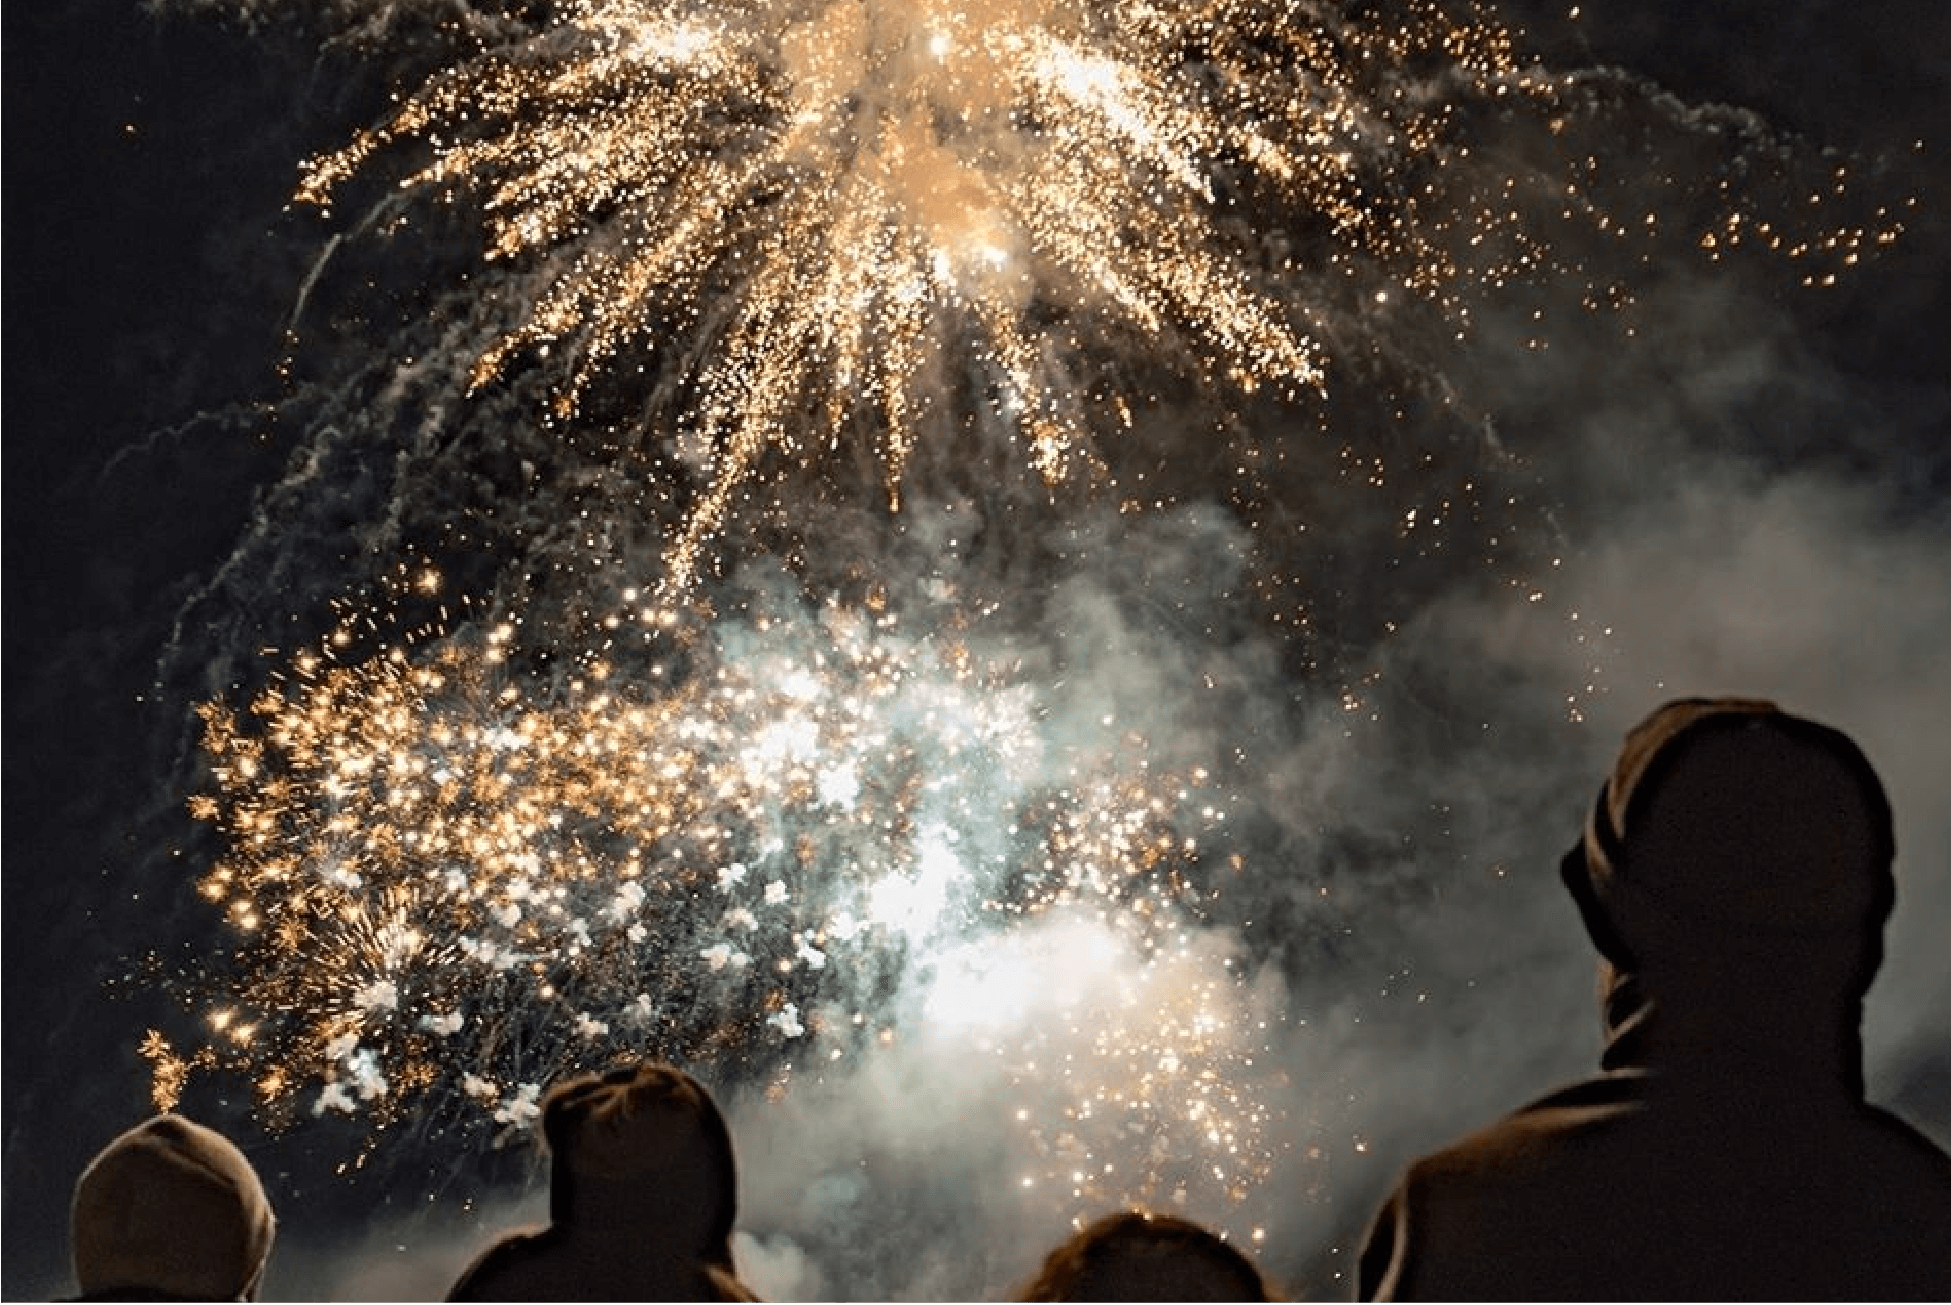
column 642, row 1197
column 642, row 1151
column 171, row 1209
column 1735, row 874
column 1736, row 871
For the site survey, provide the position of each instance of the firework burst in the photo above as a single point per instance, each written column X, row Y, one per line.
column 453, row 873
column 447, row 888
column 873, row 221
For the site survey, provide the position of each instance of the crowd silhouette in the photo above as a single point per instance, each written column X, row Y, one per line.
column 1735, row 875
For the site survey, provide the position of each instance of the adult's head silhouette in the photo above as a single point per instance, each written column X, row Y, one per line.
column 170, row 1210
column 1137, row 1256
column 1735, row 874
column 643, row 1193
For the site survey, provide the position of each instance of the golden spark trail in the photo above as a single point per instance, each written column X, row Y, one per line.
column 817, row 208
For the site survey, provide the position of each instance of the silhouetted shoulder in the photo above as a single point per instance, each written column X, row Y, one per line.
column 505, row 1271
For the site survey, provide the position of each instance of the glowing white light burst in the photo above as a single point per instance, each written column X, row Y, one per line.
column 1174, row 1052
column 879, row 218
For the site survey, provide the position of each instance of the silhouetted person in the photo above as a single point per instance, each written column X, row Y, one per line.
column 642, row 1197
column 1735, row 876
column 1133, row 1256
column 170, row 1210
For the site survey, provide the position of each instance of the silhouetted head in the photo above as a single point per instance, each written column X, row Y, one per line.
column 1737, row 854
column 641, row 1152
column 170, row 1209
column 1134, row 1256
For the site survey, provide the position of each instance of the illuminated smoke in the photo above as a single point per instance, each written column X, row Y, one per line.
column 451, row 884
column 1219, row 256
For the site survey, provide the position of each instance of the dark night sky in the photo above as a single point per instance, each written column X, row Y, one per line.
column 149, row 269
